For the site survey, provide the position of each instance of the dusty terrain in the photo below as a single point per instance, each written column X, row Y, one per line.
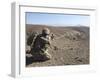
column 69, row 47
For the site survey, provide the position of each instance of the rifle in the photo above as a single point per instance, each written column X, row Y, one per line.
column 54, row 39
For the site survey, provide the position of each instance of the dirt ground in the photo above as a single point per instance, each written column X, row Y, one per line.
column 69, row 47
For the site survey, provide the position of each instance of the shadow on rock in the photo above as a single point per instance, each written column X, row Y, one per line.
column 30, row 60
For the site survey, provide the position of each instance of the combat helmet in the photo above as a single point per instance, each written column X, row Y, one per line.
column 46, row 31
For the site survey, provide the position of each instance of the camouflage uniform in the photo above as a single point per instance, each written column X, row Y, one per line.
column 39, row 48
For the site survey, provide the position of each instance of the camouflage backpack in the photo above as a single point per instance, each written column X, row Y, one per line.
column 31, row 37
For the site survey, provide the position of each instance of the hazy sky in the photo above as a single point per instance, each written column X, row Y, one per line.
column 57, row 19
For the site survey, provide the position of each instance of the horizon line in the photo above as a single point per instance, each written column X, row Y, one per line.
column 58, row 25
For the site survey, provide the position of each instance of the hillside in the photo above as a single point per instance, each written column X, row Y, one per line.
column 71, row 49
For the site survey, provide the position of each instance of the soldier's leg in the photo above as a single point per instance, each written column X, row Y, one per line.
column 47, row 55
column 41, row 55
column 36, row 55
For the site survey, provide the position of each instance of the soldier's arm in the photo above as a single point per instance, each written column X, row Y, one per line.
column 46, row 40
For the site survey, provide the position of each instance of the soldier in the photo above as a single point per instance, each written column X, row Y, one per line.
column 40, row 45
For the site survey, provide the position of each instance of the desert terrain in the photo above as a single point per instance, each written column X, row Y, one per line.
column 69, row 47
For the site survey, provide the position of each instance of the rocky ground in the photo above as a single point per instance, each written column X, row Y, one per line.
column 69, row 47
